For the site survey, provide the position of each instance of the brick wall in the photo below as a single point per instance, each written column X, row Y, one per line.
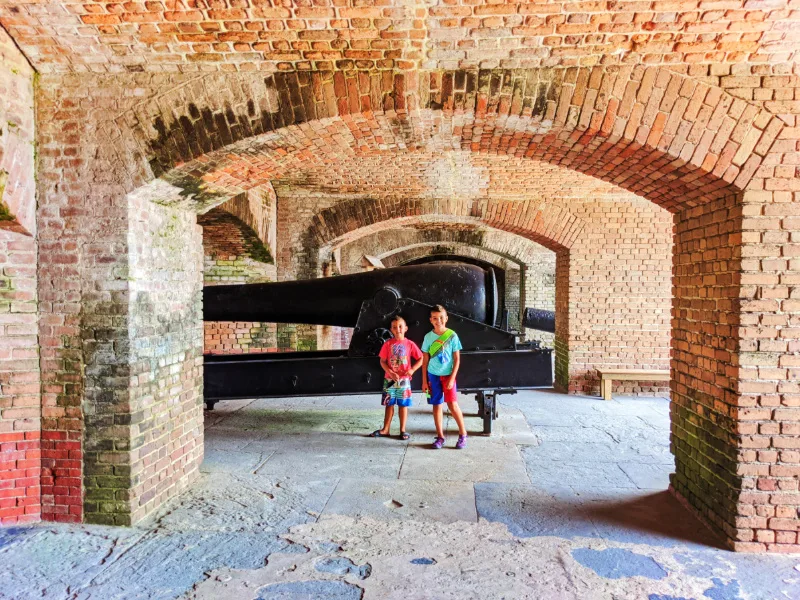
column 538, row 290
column 235, row 254
column 438, row 34
column 20, row 392
column 620, row 280
column 233, row 251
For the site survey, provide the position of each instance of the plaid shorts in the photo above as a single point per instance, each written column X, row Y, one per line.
column 396, row 393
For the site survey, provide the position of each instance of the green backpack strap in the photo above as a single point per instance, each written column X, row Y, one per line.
column 437, row 346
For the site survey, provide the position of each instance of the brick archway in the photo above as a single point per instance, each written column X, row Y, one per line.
column 688, row 139
column 533, row 264
column 529, row 284
column 686, row 146
column 345, row 222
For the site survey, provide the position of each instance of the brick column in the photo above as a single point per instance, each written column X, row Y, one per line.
column 735, row 368
column 705, row 320
column 564, row 308
column 20, row 391
column 143, row 343
column 768, row 386
column 166, row 347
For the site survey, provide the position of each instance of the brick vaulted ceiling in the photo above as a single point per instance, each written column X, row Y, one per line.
column 233, row 35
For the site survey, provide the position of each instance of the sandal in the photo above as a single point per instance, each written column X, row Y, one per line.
column 404, row 435
column 377, row 433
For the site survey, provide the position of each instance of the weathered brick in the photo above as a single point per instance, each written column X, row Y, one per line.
column 697, row 138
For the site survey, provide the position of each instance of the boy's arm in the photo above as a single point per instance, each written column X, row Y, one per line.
column 456, row 363
column 415, row 367
column 390, row 374
column 425, row 358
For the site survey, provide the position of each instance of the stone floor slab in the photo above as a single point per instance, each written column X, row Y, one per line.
column 167, row 564
column 227, row 502
column 543, row 473
column 572, row 433
column 648, row 476
column 299, row 403
column 513, row 427
column 579, row 451
column 425, row 560
column 225, row 461
column 229, row 439
column 644, row 517
column 53, row 561
column 444, row 501
column 332, row 464
column 529, row 511
column 483, row 459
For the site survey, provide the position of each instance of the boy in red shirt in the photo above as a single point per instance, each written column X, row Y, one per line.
column 396, row 356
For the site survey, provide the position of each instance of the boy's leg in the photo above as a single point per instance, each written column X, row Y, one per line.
column 455, row 410
column 437, row 420
column 403, row 410
column 387, row 420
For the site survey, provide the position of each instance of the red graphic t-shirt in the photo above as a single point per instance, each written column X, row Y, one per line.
column 400, row 355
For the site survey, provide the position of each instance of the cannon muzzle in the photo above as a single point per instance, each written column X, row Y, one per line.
column 536, row 318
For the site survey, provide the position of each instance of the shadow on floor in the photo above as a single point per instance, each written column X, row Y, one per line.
column 655, row 518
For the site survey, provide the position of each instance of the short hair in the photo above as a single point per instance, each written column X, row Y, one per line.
column 438, row 308
column 398, row 318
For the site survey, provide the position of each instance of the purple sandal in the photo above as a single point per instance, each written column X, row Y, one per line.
column 438, row 443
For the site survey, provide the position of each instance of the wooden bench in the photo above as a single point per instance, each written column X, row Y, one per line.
column 607, row 377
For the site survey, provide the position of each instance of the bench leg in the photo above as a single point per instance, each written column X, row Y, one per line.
column 605, row 388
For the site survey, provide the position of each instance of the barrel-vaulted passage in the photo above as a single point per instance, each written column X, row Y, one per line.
column 464, row 289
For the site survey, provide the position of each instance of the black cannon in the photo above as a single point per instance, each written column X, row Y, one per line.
column 491, row 361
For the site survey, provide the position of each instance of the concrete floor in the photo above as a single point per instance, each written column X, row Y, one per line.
column 567, row 500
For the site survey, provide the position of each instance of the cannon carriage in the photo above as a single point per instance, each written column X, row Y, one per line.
column 492, row 361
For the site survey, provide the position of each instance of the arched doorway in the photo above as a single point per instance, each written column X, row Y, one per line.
column 625, row 128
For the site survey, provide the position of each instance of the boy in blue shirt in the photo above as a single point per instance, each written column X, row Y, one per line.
column 441, row 358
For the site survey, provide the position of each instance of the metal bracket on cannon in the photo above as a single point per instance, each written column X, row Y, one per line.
column 487, row 406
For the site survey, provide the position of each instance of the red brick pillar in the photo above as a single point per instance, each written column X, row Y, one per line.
column 20, row 397
column 735, row 368
column 164, row 411
column 768, row 360
column 563, row 313
column 705, row 404
column 20, row 391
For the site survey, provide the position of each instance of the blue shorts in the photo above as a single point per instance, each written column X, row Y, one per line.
column 438, row 392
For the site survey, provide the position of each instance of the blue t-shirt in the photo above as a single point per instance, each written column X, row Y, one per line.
column 442, row 363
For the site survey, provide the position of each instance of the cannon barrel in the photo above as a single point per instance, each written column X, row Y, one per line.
column 464, row 289
column 536, row 318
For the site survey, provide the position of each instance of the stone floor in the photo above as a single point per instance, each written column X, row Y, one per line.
column 567, row 500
